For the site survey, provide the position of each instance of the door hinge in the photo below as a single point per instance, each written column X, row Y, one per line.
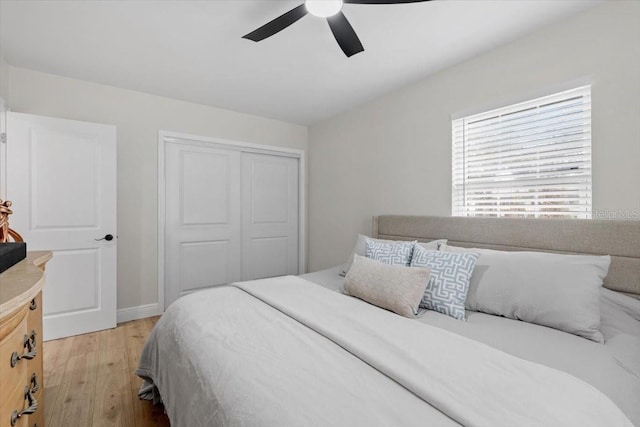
column 3, row 138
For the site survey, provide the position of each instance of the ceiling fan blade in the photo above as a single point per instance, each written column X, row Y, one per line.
column 383, row 1
column 344, row 34
column 277, row 25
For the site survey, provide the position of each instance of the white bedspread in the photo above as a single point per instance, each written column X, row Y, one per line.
column 285, row 352
column 613, row 368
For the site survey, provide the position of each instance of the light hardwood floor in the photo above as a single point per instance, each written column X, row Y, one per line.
column 89, row 379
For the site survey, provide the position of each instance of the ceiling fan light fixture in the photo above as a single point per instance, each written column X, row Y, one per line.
column 323, row 8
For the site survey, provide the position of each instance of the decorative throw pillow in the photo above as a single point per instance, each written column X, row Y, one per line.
column 360, row 248
column 433, row 245
column 561, row 291
column 393, row 253
column 392, row 287
column 450, row 274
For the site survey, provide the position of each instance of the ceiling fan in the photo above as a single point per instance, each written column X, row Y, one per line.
column 329, row 9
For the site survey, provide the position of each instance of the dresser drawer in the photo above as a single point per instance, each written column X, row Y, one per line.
column 34, row 324
column 12, row 406
column 11, row 346
column 21, row 374
column 34, row 318
column 14, row 399
column 37, row 418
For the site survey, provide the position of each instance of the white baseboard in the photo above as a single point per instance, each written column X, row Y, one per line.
column 139, row 312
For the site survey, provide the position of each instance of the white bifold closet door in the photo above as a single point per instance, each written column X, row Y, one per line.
column 230, row 216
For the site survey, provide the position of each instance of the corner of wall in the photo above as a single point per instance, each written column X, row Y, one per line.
column 4, row 83
column 4, row 93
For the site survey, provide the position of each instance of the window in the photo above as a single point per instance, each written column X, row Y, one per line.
column 530, row 160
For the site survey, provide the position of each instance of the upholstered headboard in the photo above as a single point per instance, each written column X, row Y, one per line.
column 620, row 239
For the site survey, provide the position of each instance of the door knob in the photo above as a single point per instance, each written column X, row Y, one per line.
column 108, row 238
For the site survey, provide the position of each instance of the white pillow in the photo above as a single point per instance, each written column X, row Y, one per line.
column 556, row 290
column 360, row 248
column 393, row 287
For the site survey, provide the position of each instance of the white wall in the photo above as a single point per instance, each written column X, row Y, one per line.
column 138, row 118
column 393, row 156
column 4, row 77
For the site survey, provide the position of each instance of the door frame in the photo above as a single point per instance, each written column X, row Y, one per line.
column 165, row 137
column 4, row 108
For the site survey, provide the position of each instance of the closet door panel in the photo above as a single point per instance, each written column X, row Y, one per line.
column 206, row 188
column 203, row 218
column 269, row 257
column 269, row 216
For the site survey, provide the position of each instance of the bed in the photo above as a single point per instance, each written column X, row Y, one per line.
column 295, row 351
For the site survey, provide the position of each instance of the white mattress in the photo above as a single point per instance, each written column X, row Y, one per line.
column 613, row 367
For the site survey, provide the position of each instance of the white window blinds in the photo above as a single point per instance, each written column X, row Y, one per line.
column 531, row 159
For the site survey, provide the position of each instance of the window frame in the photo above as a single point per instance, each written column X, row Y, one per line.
column 548, row 143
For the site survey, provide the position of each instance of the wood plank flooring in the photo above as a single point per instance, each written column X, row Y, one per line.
column 89, row 379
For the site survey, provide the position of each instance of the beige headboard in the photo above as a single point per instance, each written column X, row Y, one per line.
column 620, row 239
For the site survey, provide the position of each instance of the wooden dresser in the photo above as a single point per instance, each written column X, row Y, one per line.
column 21, row 389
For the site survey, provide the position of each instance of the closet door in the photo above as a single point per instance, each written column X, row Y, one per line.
column 203, row 219
column 269, row 216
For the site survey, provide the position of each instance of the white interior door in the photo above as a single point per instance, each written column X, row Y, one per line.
column 61, row 178
column 202, row 228
column 269, row 216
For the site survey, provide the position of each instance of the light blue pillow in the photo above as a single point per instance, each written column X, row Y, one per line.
column 393, row 253
column 447, row 290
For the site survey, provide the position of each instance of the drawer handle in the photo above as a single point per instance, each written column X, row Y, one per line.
column 34, row 383
column 30, row 353
column 33, row 305
column 33, row 406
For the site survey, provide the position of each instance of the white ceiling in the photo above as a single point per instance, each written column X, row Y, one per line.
column 193, row 50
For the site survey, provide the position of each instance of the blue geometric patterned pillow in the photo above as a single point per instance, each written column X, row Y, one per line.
column 394, row 253
column 449, row 283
